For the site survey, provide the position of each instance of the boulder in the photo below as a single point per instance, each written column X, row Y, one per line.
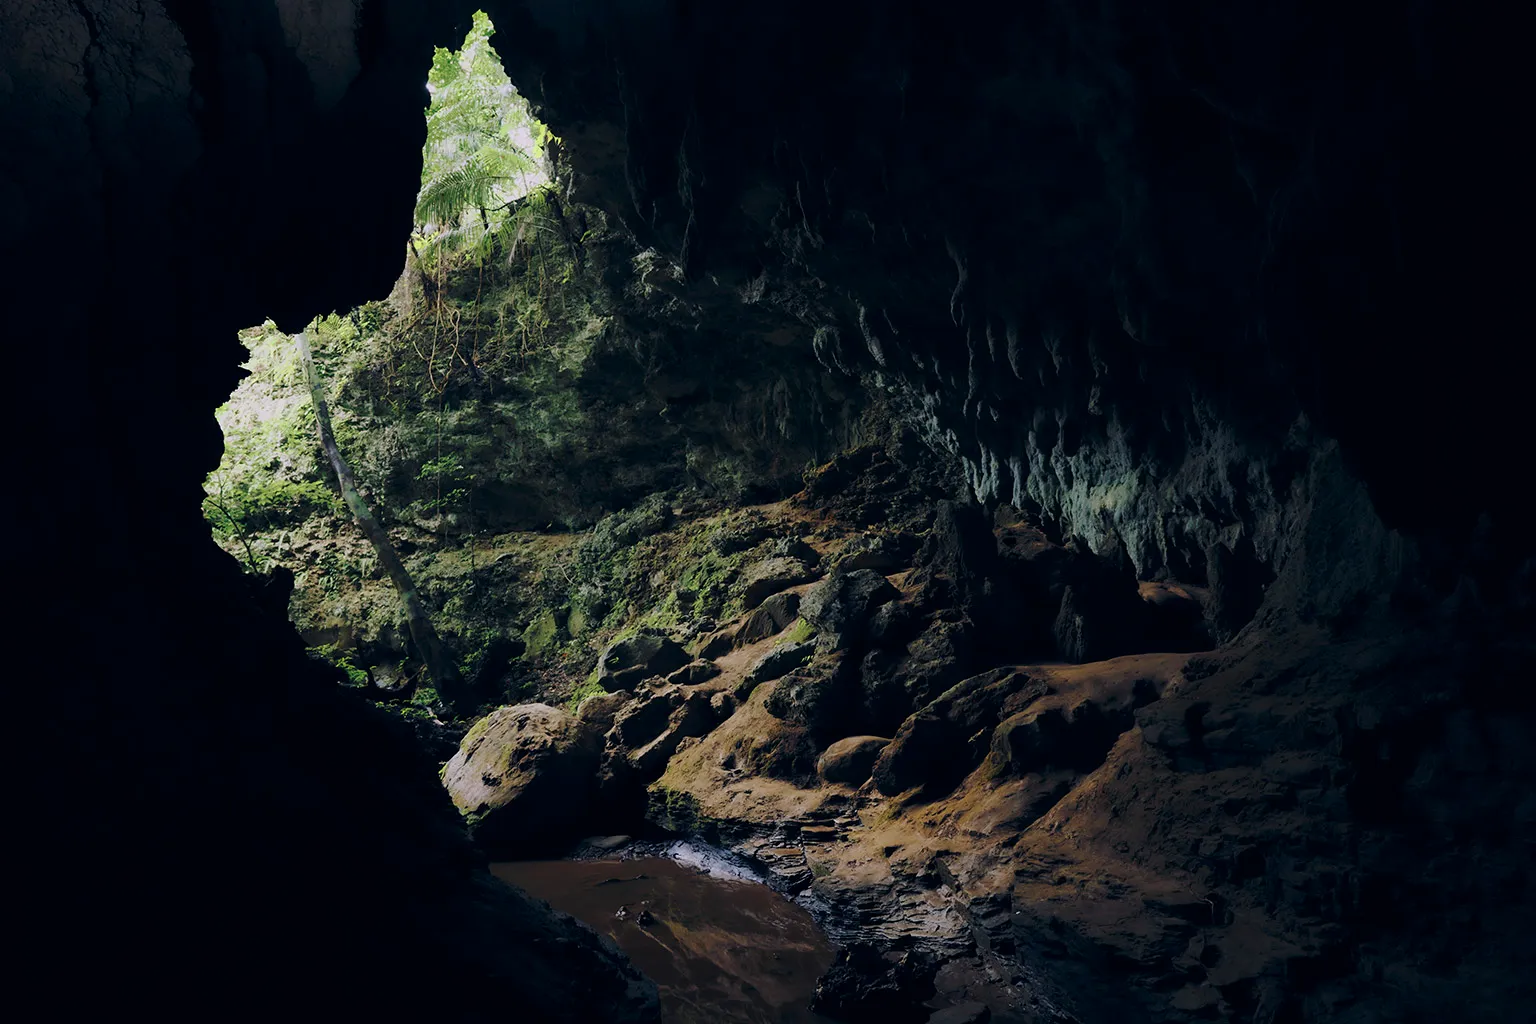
column 693, row 673
column 770, row 618
column 882, row 552
column 763, row 579
column 793, row 547
column 897, row 682
column 893, row 624
column 597, row 711
column 958, row 563
column 523, row 778
column 693, row 717
column 850, row 760
column 840, row 605
column 1073, row 726
column 780, row 661
column 821, row 696
column 717, row 644
column 865, row 985
column 722, row 703
column 628, row 662
column 740, row 535
column 939, row 745
column 644, row 718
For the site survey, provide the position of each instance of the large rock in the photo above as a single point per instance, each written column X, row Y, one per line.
column 694, row 716
column 693, row 673
column 770, row 576
column 628, row 662
column 523, row 777
column 866, row 986
column 1065, row 731
column 821, row 696
column 850, row 760
column 841, row 604
column 895, row 682
column 648, row 731
column 940, row 744
column 882, row 552
column 958, row 561
column 771, row 617
column 597, row 711
column 780, row 661
column 644, row 718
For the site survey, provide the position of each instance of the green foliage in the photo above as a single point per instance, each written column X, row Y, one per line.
column 443, row 397
column 450, row 480
column 269, row 478
column 266, row 504
column 601, row 572
column 484, row 149
column 344, row 660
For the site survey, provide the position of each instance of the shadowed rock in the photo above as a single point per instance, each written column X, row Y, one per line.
column 771, row 576
column 771, row 617
column 627, row 663
column 781, row 660
column 849, row 760
column 840, row 605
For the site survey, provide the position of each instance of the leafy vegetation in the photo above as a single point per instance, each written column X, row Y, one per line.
column 484, row 150
column 491, row 410
column 343, row 660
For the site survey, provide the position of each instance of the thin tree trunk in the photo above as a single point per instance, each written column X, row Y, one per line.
column 440, row 664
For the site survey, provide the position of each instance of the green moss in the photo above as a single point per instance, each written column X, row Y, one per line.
column 674, row 810
column 588, row 687
column 542, row 633
column 799, row 631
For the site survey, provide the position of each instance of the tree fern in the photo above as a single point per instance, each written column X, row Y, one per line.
column 484, row 148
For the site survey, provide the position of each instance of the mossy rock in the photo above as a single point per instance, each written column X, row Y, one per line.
column 542, row 633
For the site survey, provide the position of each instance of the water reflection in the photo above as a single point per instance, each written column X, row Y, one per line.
column 719, row 949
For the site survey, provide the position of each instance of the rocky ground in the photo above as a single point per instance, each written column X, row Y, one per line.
column 1012, row 779
column 1003, row 770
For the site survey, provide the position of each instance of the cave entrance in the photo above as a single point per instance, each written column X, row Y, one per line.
column 408, row 382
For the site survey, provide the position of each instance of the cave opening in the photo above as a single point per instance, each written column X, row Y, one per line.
column 995, row 489
column 416, row 390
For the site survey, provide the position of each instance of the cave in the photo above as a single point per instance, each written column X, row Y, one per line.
column 1192, row 298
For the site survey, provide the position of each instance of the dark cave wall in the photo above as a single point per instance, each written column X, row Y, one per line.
column 211, row 826
column 1134, row 263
